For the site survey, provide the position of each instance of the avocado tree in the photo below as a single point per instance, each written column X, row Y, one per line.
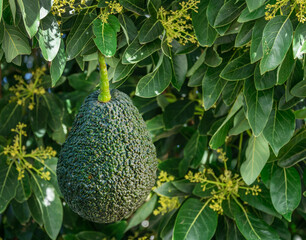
column 219, row 83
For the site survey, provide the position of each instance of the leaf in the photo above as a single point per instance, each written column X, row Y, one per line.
column 136, row 52
column 253, row 5
column 276, row 40
column 299, row 40
column 106, row 37
column 155, row 82
column 196, row 79
column 219, row 136
column 265, row 81
column 256, row 52
column 285, row 190
column 128, row 27
column 178, row 113
column 241, row 124
column 150, row 30
column 50, row 205
column 142, row 212
column 212, row 58
column 90, row 235
column 259, row 106
column 153, row 7
column 180, row 67
column 257, row 154
column 45, row 8
column 231, row 91
column 285, row 70
column 205, row 34
column 30, row 12
column 238, row 69
column 279, row 129
column 122, row 71
column 23, row 191
column 167, row 189
column 21, row 211
column 196, row 65
column 58, row 64
column 137, row 6
column 245, row 34
column 10, row 115
column 55, row 112
column 195, row 221
column 212, row 11
column 1, row 7
column 79, row 35
column 113, row 21
column 14, row 43
column 212, row 86
column 80, row 82
column 229, row 12
column 247, row 16
column 299, row 90
column 35, row 209
column 253, row 227
column 8, row 183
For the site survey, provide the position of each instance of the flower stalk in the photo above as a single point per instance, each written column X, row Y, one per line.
column 104, row 95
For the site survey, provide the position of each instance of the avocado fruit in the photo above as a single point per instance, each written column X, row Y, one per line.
column 107, row 165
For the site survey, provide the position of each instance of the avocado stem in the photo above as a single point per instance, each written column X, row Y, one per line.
column 104, row 95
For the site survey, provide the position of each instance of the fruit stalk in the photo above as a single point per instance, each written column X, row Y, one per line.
column 104, row 95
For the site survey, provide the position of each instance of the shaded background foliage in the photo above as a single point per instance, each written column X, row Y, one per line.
column 220, row 84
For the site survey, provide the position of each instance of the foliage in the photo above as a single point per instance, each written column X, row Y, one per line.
column 220, row 84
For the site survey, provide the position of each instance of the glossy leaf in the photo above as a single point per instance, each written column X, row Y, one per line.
column 259, row 106
column 150, row 30
column 122, row 71
column 23, row 191
column 128, row 27
column 241, row 124
column 58, row 64
column 256, row 52
column 30, row 11
column 253, row 5
column 257, row 154
column 299, row 40
column 279, row 129
column 180, row 67
column 247, row 16
column 55, row 112
column 167, row 189
column 285, row 190
column 195, row 221
column 196, row 79
column 276, row 40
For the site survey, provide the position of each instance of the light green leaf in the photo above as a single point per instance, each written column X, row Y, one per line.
column 8, row 183
column 1, row 7
column 279, row 129
column 253, row 5
column 150, row 30
column 14, row 43
column 276, row 40
column 299, row 40
column 58, row 64
column 30, row 12
column 195, row 221
column 167, row 189
column 285, row 190
column 155, row 82
column 256, row 42
column 238, row 69
column 106, row 37
column 259, row 106
column 257, row 154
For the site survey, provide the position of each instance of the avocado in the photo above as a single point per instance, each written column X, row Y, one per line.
column 107, row 165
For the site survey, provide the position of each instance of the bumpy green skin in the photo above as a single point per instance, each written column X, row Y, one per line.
column 107, row 165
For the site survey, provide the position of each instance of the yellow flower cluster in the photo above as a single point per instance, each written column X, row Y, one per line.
column 26, row 92
column 17, row 154
column 62, row 6
column 113, row 7
column 298, row 5
column 167, row 204
column 178, row 23
column 227, row 185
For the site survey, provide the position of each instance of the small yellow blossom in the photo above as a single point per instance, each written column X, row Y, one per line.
column 167, row 204
column 113, row 7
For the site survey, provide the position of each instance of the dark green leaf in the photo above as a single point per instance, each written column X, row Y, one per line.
column 128, row 27
column 184, row 186
column 79, row 81
column 30, row 11
column 90, row 235
column 212, row 10
column 153, row 7
column 35, row 210
column 167, row 189
column 299, row 40
column 122, row 71
column 229, row 12
column 45, row 8
column 212, row 57
column 266, row 81
column 1, row 8
column 196, row 78
column 21, row 211
column 276, row 40
column 285, row 190
column 285, row 70
column 150, row 30
column 23, row 191
column 39, row 118
column 10, row 115
column 299, row 90
column 180, row 67
column 137, row 6
column 197, row 64
column 58, row 65
column 231, row 91
column 55, row 112
column 257, row 154
column 241, row 124
column 195, row 221
column 259, row 106
column 247, row 16
column 113, row 21
column 256, row 52
column 253, row 5
column 245, row 34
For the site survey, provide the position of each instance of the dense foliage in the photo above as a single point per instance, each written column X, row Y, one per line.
column 220, row 84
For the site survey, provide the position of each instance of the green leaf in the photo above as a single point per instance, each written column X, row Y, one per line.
column 137, row 6
column 1, row 7
column 184, row 185
column 21, row 211
column 155, row 82
column 256, row 52
column 245, row 34
column 294, row 151
column 10, row 115
column 299, row 40
column 58, row 64
column 229, row 12
column 35, row 210
column 114, row 22
column 265, row 81
column 122, row 71
column 128, row 27
column 259, row 106
column 136, row 52
column 257, row 154
column 212, row 11
column 196, row 65
column 238, row 69
column 106, row 37
column 8, row 183
column 14, row 43
column 180, row 67
column 55, row 112
column 212, row 86
column 253, row 228
column 247, row 16
column 30, row 12
column 167, row 189
column 276, row 40
column 178, row 113
column 150, row 30
column 205, row 34
column 231, row 91
column 253, row 5
column 50, row 205
column 241, row 124
column 219, row 136
column 79, row 81
column 285, row 190
column 79, row 35
column 299, row 90
column 153, row 7
column 279, row 129
column 142, row 213
column 90, row 235
column 212, row 58
column 196, row 79
column 23, row 191
column 195, row 221
column 285, row 70
column 300, row 114
column 49, row 37
column 45, row 8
